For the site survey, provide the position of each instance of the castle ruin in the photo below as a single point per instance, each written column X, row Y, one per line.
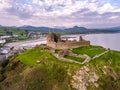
column 54, row 41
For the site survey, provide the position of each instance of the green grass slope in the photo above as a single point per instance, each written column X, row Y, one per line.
column 25, row 73
column 108, row 68
column 29, row 57
column 13, row 30
column 91, row 50
column 75, row 58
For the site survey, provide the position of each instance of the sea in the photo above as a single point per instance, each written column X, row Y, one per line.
column 110, row 40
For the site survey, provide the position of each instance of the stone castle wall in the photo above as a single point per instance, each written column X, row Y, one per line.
column 65, row 44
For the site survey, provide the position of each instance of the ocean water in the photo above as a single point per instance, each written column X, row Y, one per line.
column 111, row 41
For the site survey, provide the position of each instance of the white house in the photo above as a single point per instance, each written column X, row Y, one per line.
column 2, row 41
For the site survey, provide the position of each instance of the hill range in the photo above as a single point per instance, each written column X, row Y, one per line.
column 64, row 30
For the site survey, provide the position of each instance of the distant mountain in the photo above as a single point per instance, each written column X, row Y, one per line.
column 107, row 30
column 1, row 26
column 114, row 28
column 77, row 28
column 58, row 27
column 42, row 29
column 34, row 28
column 72, row 30
column 28, row 27
column 64, row 30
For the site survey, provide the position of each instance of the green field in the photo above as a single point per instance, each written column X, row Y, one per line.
column 112, row 61
column 90, row 50
column 75, row 58
column 13, row 30
column 29, row 57
column 21, row 34
column 112, row 56
column 54, row 74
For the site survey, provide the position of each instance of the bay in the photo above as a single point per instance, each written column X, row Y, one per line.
column 111, row 41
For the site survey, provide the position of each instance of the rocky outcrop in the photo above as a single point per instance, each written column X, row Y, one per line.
column 85, row 77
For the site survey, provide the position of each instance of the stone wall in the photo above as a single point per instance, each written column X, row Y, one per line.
column 65, row 44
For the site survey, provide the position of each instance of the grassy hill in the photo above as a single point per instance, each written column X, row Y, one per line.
column 13, row 30
column 91, row 50
column 24, row 72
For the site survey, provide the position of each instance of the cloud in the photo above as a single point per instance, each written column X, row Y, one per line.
column 21, row 11
column 90, row 13
column 4, row 4
column 108, row 8
column 114, row 17
column 68, row 7
column 55, row 7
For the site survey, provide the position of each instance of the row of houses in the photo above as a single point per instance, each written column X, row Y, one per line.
column 4, row 39
column 36, row 35
column 6, row 52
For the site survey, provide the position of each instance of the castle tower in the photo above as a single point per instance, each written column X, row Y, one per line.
column 81, row 39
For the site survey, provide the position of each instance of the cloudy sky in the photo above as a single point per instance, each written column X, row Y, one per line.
column 68, row 13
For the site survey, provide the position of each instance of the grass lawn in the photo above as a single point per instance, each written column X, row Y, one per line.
column 29, row 57
column 112, row 61
column 58, row 73
column 75, row 58
column 91, row 50
column 14, row 30
column 112, row 56
column 1, row 30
